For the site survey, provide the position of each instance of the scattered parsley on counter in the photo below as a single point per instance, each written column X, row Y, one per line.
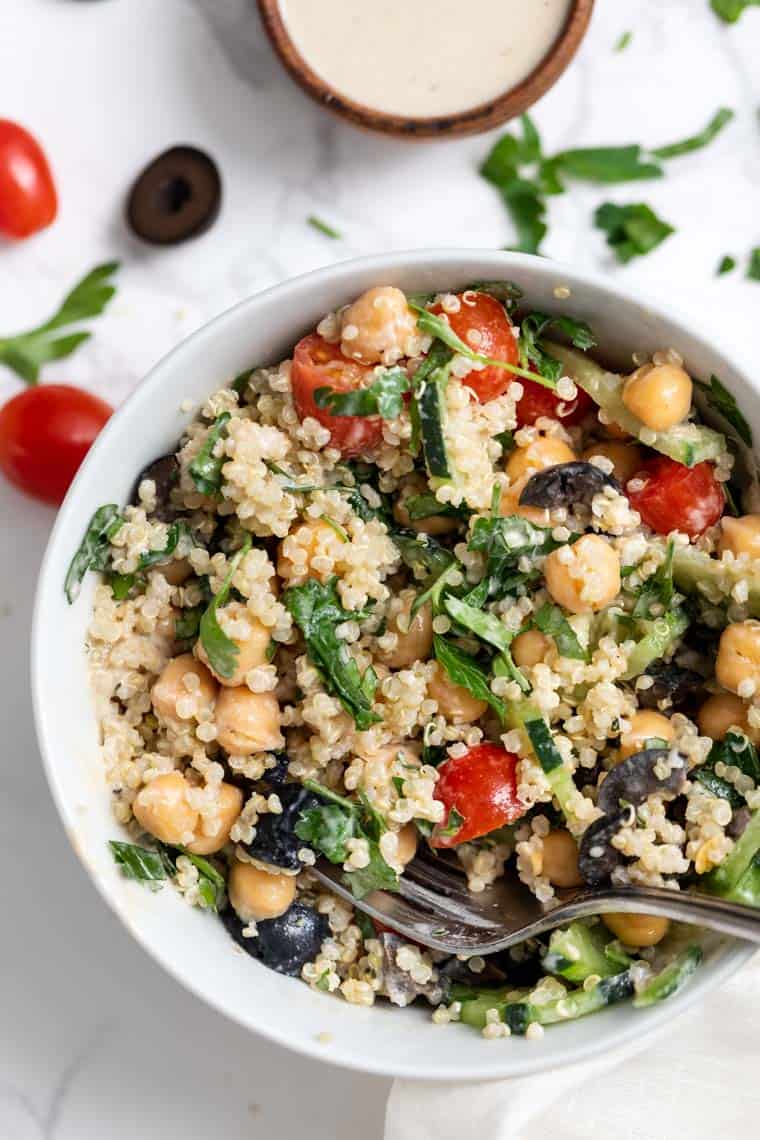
column 624, row 41
column 323, row 227
column 731, row 10
column 753, row 269
column 633, row 230
column 725, row 265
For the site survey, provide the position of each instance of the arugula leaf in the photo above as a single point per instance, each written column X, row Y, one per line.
column 26, row 352
column 150, row 557
column 206, row 468
column 624, row 41
column 725, row 265
column 633, row 230
column 187, row 624
column 94, row 550
column 222, row 652
column 143, row 864
column 317, row 224
column 437, row 326
column 549, row 619
column 317, row 612
column 464, row 670
column 730, row 10
column 720, row 400
column 720, row 119
column 484, row 625
column 753, row 268
column 535, row 326
column 384, row 397
column 504, row 541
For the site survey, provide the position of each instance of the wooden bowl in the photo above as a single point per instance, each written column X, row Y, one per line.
column 469, row 122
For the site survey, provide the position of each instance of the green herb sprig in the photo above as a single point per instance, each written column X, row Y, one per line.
column 384, row 397
column 206, row 468
column 93, row 553
column 633, row 230
column 222, row 652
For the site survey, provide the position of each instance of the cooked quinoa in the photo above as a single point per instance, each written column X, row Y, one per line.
column 428, row 585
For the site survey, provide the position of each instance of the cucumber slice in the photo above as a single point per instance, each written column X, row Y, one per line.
column 695, row 572
column 474, row 1011
column 671, row 978
column 686, row 443
column 660, row 635
column 431, row 408
column 578, row 952
column 524, row 715
column 725, row 878
column 577, row 1003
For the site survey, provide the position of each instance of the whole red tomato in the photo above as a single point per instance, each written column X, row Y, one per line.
column 28, row 199
column 481, row 786
column 537, row 401
column 482, row 323
column 45, row 434
column 669, row 496
column 319, row 364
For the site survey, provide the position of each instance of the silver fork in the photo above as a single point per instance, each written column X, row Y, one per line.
column 434, row 907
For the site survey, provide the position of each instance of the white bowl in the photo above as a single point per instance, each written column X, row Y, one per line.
column 193, row 946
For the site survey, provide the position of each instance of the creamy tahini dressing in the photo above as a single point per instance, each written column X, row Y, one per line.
column 423, row 58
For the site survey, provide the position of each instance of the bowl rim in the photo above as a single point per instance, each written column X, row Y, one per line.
column 473, row 120
column 659, row 1017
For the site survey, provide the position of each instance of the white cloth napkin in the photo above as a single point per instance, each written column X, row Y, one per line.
column 698, row 1080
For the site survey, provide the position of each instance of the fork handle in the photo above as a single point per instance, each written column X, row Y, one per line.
column 735, row 919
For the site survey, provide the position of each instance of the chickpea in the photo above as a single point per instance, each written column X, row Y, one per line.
column 252, row 649
column 719, row 713
column 560, row 859
column 626, row 458
column 455, row 702
column 637, row 929
column 161, row 807
column 248, row 722
column 659, row 395
column 545, row 451
column 530, row 647
column 296, row 553
column 230, row 806
column 184, row 684
column 414, row 639
column 737, row 667
column 407, row 844
column 584, row 577
column 646, row 724
column 257, row 895
column 379, row 327
column 740, row 536
column 432, row 524
column 177, row 571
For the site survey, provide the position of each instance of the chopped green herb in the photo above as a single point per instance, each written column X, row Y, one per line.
column 721, row 401
column 341, row 533
column 633, row 230
column 425, row 505
column 317, row 611
column 384, row 397
column 452, row 826
column 210, row 881
column 549, row 619
column 222, row 652
column 534, row 326
column 143, row 864
column 206, row 468
column 25, row 353
column 187, row 623
column 720, row 119
column 657, row 590
column 725, row 265
column 624, row 41
column 505, row 291
column 425, row 557
column 317, row 224
column 121, row 584
column 504, row 542
column 464, row 670
column 731, row 10
column 437, row 326
column 753, row 268
column 94, row 550
column 240, row 383
column 151, row 557
column 603, row 164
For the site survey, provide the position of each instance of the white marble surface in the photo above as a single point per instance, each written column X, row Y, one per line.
column 94, row 1039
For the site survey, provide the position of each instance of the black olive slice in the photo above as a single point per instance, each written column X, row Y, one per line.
column 670, row 683
column 566, row 485
column 164, row 472
column 638, row 776
column 177, row 196
column 597, row 858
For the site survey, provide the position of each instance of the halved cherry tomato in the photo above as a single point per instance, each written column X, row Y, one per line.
column 28, row 200
column 538, row 401
column 318, row 364
column 481, row 786
column 45, row 434
column 674, row 497
column 483, row 315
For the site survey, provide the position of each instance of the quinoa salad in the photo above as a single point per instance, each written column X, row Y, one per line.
column 439, row 581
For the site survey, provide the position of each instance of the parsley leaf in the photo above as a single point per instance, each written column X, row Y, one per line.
column 550, row 620
column 725, row 265
column 384, row 397
column 720, row 119
column 721, row 401
column 633, row 230
column 734, row 750
column 753, row 268
column 523, row 197
column 537, row 325
column 222, row 652
column 425, row 505
column 658, row 589
column 94, row 550
column 504, row 541
column 422, row 554
column 143, row 864
column 187, row 624
column 26, row 352
column 317, row 612
column 605, row 164
column 730, row 10
column 464, row 670
column 150, row 557
column 317, row 224
column 206, row 468
column 624, row 41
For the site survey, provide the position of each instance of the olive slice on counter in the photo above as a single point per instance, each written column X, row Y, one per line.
column 177, row 196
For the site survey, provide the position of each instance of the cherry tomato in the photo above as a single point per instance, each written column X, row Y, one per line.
column 481, row 786
column 45, row 434
column 486, row 317
column 538, row 401
column 674, row 497
column 28, row 199
column 317, row 364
